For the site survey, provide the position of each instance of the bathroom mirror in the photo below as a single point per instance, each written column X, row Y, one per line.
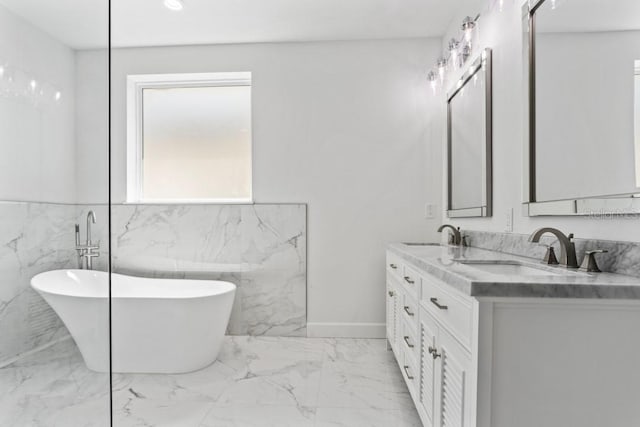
column 469, row 142
column 583, row 66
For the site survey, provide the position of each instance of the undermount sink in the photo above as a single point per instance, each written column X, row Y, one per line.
column 512, row 268
column 420, row 244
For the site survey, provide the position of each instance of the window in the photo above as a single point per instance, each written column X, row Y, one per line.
column 189, row 138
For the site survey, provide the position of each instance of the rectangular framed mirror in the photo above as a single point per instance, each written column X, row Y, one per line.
column 469, row 141
column 582, row 72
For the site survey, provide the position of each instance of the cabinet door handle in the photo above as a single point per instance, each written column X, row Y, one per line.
column 434, row 352
column 406, row 308
column 406, row 340
column 437, row 304
column 406, row 371
column 408, row 280
column 391, row 293
column 395, row 267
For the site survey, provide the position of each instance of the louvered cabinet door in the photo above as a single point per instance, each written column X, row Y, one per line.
column 455, row 365
column 392, row 313
column 427, row 393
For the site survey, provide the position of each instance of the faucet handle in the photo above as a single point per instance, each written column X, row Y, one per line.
column 589, row 262
column 550, row 256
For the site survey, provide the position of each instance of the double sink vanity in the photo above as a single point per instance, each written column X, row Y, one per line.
column 489, row 339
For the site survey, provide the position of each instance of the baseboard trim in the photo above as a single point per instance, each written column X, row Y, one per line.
column 346, row 330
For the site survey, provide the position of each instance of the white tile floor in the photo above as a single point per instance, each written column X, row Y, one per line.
column 257, row 381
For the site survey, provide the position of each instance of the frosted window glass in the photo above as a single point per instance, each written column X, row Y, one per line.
column 197, row 143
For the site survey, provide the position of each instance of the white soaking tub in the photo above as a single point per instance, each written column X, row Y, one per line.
column 158, row 325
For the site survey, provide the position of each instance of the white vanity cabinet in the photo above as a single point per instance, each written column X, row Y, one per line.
column 512, row 360
column 432, row 345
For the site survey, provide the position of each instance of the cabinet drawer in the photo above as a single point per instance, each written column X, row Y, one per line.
column 410, row 372
column 453, row 311
column 411, row 281
column 409, row 312
column 394, row 266
column 409, row 339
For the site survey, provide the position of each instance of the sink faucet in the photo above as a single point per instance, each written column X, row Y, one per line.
column 86, row 251
column 457, row 237
column 568, row 256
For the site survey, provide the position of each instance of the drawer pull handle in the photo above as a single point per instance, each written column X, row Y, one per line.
column 391, row 293
column 434, row 352
column 406, row 371
column 408, row 280
column 406, row 308
column 395, row 267
column 437, row 304
column 406, row 340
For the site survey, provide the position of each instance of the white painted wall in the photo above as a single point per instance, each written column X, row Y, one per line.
column 92, row 126
column 342, row 126
column 503, row 32
column 36, row 142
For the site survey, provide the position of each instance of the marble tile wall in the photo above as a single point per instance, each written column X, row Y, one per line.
column 34, row 237
column 260, row 248
column 621, row 258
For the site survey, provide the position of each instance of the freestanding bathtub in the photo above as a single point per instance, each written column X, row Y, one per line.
column 158, row 325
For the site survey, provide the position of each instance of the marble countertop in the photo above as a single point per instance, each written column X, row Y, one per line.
column 447, row 263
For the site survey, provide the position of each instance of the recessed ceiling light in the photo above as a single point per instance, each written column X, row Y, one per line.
column 174, row 4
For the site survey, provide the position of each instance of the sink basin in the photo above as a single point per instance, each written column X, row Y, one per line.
column 420, row 244
column 511, row 268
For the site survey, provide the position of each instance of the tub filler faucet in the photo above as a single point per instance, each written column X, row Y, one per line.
column 88, row 251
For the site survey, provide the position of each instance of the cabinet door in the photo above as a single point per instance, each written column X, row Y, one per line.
column 428, row 339
column 455, row 368
column 392, row 313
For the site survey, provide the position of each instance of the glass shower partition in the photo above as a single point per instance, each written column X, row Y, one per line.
column 54, row 215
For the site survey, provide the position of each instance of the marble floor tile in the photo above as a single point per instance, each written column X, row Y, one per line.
column 350, row 417
column 257, row 381
column 259, row 415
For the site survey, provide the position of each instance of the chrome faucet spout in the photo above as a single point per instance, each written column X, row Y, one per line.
column 568, row 257
column 91, row 218
column 88, row 251
column 457, row 237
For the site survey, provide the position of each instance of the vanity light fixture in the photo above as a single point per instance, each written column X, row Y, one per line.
column 459, row 50
column 175, row 5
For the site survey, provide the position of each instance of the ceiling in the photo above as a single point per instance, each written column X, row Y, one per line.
column 82, row 24
column 562, row 16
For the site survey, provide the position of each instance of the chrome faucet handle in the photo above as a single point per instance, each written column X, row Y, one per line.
column 550, row 256
column 589, row 262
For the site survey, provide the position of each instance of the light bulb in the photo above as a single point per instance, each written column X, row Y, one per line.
column 33, row 85
column 442, row 67
column 468, row 24
column 433, row 80
column 175, row 5
column 58, row 96
column 1, row 71
column 453, row 51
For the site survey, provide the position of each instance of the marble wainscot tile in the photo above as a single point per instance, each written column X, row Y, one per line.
column 260, row 248
column 34, row 237
column 621, row 258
